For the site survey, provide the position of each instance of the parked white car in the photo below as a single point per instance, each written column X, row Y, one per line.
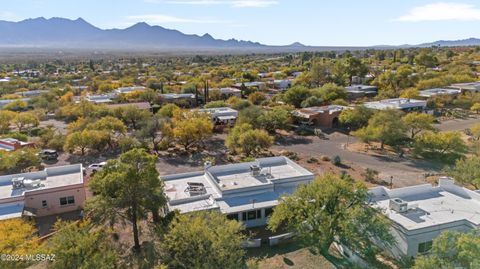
column 94, row 167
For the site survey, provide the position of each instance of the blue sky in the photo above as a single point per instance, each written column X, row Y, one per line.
column 275, row 22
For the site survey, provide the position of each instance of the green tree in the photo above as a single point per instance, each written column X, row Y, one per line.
column 385, row 127
column 167, row 110
column 6, row 119
column 244, row 139
column 330, row 92
column 475, row 107
column 131, row 115
column 25, row 121
column 418, row 122
column 466, row 171
column 17, row 105
column 19, row 160
column 128, row 188
column 333, row 209
column 191, row 128
column 18, row 238
column 155, row 131
column 250, row 115
column 426, row 59
column 82, row 245
column 447, row 146
column 204, row 240
column 355, row 67
column 86, row 139
column 257, row 98
column 452, row 250
column 355, row 118
column 312, row 101
column 276, row 118
column 475, row 130
column 296, row 95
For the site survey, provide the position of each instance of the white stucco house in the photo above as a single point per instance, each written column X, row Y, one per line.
column 403, row 104
column 246, row 192
column 421, row 213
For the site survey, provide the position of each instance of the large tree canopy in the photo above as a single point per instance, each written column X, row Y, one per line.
column 332, row 209
column 128, row 188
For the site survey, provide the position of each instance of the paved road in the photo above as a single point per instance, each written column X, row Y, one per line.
column 405, row 172
column 458, row 124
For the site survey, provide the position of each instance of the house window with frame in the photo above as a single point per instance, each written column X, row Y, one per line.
column 233, row 216
column 69, row 200
column 253, row 214
column 44, row 203
column 425, row 247
column 268, row 211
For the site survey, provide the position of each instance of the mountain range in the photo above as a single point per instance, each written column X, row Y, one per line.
column 61, row 33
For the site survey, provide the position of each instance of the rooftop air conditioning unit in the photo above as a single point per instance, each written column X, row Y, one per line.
column 398, row 205
column 255, row 170
column 17, row 182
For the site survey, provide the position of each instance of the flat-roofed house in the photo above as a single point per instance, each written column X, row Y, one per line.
column 32, row 93
column 282, row 84
column 259, row 85
column 323, row 116
column 467, row 87
column 126, row 90
column 358, row 91
column 421, row 213
column 429, row 93
column 184, row 99
column 246, row 192
column 53, row 191
column 100, row 98
column 403, row 104
column 4, row 102
column 227, row 92
column 224, row 116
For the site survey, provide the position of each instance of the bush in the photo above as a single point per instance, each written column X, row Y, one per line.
column 325, row 158
column 370, row 175
column 312, row 160
column 336, row 160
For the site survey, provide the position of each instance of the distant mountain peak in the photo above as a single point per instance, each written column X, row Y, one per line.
column 78, row 33
column 297, row 44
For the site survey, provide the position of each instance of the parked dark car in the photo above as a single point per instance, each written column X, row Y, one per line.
column 49, row 154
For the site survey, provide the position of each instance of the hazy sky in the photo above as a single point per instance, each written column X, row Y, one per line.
column 275, row 22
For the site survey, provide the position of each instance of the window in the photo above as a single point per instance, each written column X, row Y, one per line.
column 268, row 211
column 70, row 200
column 44, row 203
column 251, row 215
column 424, row 247
column 232, row 216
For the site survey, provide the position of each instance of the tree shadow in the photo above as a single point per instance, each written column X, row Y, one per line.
column 288, row 262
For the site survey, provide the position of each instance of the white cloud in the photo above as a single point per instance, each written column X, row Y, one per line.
column 442, row 12
column 160, row 18
column 232, row 3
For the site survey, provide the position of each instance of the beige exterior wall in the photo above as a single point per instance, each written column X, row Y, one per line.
column 34, row 200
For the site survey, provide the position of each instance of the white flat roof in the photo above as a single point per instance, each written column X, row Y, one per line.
column 225, row 184
column 430, row 206
column 439, row 91
column 52, row 177
column 396, row 103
